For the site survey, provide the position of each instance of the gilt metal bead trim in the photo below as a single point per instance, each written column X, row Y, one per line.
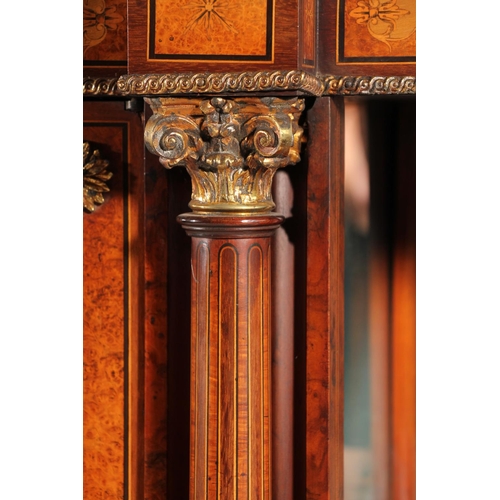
column 261, row 82
column 99, row 86
column 95, row 176
column 369, row 85
column 215, row 83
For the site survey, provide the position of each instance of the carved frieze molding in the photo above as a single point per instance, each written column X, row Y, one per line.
column 247, row 82
column 216, row 83
column 99, row 86
column 95, row 176
column 231, row 148
column 369, row 85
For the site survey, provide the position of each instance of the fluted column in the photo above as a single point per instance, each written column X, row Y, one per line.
column 231, row 149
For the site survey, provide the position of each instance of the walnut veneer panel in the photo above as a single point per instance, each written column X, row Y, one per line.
column 374, row 31
column 367, row 37
column 104, row 37
column 106, row 329
column 169, row 36
column 220, row 29
column 113, row 426
column 324, row 339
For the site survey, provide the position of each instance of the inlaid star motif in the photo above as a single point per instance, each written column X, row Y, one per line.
column 208, row 13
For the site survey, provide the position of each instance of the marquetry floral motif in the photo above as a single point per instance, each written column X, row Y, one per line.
column 230, row 148
column 95, row 176
column 385, row 20
column 97, row 20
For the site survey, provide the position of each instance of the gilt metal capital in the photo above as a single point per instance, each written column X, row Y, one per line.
column 230, row 147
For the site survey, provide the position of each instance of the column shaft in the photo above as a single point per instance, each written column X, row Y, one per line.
column 230, row 356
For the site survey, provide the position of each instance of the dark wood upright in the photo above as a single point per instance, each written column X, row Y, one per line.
column 230, row 355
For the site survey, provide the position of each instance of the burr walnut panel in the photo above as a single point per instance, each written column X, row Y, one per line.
column 168, row 36
column 104, row 36
column 113, row 387
column 369, row 38
column 219, row 30
column 106, row 328
column 377, row 31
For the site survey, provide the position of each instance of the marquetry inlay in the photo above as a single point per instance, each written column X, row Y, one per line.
column 229, row 30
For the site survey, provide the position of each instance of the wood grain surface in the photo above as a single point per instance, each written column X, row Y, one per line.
column 385, row 31
column 214, row 46
column 230, row 356
column 104, row 37
column 112, row 310
column 106, row 329
column 368, row 55
column 324, row 341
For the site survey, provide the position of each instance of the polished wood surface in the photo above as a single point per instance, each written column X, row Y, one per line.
column 112, row 310
column 156, row 225
column 368, row 55
column 321, row 439
column 218, row 46
column 230, row 355
column 104, row 37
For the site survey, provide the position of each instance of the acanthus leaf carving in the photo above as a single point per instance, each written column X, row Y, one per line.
column 231, row 148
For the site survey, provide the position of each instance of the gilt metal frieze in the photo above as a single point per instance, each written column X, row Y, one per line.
column 369, row 85
column 215, row 83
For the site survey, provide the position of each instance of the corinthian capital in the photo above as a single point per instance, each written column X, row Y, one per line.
column 230, row 147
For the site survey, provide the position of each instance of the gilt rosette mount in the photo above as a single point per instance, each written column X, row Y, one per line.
column 95, row 176
column 231, row 148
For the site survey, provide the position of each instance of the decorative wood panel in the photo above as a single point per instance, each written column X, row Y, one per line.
column 373, row 31
column 112, row 312
column 367, row 37
column 207, row 35
column 104, row 37
column 225, row 30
